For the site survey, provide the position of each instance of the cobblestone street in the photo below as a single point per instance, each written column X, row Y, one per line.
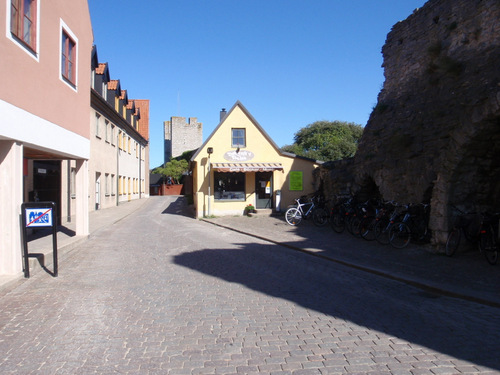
column 161, row 293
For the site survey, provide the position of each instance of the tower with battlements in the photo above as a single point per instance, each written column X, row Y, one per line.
column 181, row 135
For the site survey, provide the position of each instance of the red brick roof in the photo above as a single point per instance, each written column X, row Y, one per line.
column 143, row 106
column 101, row 68
column 113, row 84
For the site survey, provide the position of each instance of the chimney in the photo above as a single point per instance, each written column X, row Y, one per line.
column 223, row 114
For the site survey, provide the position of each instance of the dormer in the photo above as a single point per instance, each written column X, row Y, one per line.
column 114, row 92
column 122, row 109
column 130, row 113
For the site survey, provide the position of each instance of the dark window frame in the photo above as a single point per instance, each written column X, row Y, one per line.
column 236, row 138
column 229, row 186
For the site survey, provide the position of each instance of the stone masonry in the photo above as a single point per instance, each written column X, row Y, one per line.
column 181, row 136
column 434, row 135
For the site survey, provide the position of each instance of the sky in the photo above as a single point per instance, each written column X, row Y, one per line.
column 289, row 62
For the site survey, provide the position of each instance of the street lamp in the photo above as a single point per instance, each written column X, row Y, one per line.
column 210, row 151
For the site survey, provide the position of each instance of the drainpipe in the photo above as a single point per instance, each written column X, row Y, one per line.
column 140, row 162
column 117, row 171
column 68, row 198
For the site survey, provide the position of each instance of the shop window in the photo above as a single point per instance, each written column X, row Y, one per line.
column 238, row 137
column 229, row 186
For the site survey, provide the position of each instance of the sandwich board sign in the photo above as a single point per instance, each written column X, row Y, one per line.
column 39, row 215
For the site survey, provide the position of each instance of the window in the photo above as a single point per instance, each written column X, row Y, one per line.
column 23, row 16
column 97, row 119
column 107, row 184
column 68, row 58
column 106, row 130
column 104, row 90
column 113, row 184
column 112, row 134
column 229, row 186
column 238, row 138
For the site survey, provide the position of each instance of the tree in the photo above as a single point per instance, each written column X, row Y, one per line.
column 174, row 168
column 326, row 140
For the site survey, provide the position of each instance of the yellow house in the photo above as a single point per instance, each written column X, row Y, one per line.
column 239, row 164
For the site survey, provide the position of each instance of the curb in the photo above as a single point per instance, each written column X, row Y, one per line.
column 415, row 283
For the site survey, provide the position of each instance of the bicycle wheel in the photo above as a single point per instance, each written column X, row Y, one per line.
column 320, row 216
column 382, row 231
column 337, row 222
column 355, row 226
column 293, row 216
column 368, row 228
column 487, row 244
column 453, row 241
column 399, row 235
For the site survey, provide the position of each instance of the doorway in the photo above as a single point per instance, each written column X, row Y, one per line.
column 47, row 183
column 97, row 190
column 263, row 190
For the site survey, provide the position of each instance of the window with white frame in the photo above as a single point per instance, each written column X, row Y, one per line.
column 106, row 131
column 97, row 120
column 24, row 22
column 107, row 187
column 69, row 54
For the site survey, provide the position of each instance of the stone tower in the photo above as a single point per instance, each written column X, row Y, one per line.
column 181, row 136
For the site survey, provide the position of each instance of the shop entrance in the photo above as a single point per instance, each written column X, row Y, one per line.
column 264, row 189
column 47, row 183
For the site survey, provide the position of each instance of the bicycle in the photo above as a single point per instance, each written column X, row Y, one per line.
column 467, row 224
column 339, row 215
column 413, row 226
column 488, row 237
column 294, row 215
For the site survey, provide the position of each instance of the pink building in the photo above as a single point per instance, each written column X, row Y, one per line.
column 45, row 54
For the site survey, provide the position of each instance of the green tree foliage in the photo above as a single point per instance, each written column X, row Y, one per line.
column 326, row 140
column 174, row 168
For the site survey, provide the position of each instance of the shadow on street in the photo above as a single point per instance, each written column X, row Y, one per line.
column 379, row 304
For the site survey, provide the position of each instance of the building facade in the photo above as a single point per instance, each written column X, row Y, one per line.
column 239, row 164
column 181, row 135
column 119, row 147
column 44, row 101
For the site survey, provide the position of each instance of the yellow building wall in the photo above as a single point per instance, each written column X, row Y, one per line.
column 264, row 152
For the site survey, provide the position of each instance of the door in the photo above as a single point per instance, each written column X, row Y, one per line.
column 264, row 189
column 97, row 190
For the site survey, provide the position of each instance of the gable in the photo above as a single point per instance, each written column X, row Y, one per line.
column 259, row 147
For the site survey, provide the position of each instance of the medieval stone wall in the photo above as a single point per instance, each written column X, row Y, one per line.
column 181, row 136
column 434, row 135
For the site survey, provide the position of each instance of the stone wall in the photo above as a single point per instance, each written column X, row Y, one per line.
column 434, row 135
column 181, row 136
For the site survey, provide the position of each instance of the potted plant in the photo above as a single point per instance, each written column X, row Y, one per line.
column 250, row 209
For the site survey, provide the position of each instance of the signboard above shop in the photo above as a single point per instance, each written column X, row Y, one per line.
column 239, row 155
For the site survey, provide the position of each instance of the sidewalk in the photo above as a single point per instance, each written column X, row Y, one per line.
column 40, row 243
column 466, row 275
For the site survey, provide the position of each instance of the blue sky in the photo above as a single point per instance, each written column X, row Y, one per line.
column 290, row 62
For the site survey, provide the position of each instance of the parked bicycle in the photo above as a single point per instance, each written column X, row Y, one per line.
column 304, row 209
column 341, row 213
column 480, row 228
column 413, row 226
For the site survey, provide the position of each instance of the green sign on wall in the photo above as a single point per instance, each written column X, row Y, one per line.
column 296, row 181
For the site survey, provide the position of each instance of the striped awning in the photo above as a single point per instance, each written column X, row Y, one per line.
column 247, row 167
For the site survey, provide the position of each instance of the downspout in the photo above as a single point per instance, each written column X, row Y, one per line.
column 140, row 162
column 68, row 195
column 117, row 171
